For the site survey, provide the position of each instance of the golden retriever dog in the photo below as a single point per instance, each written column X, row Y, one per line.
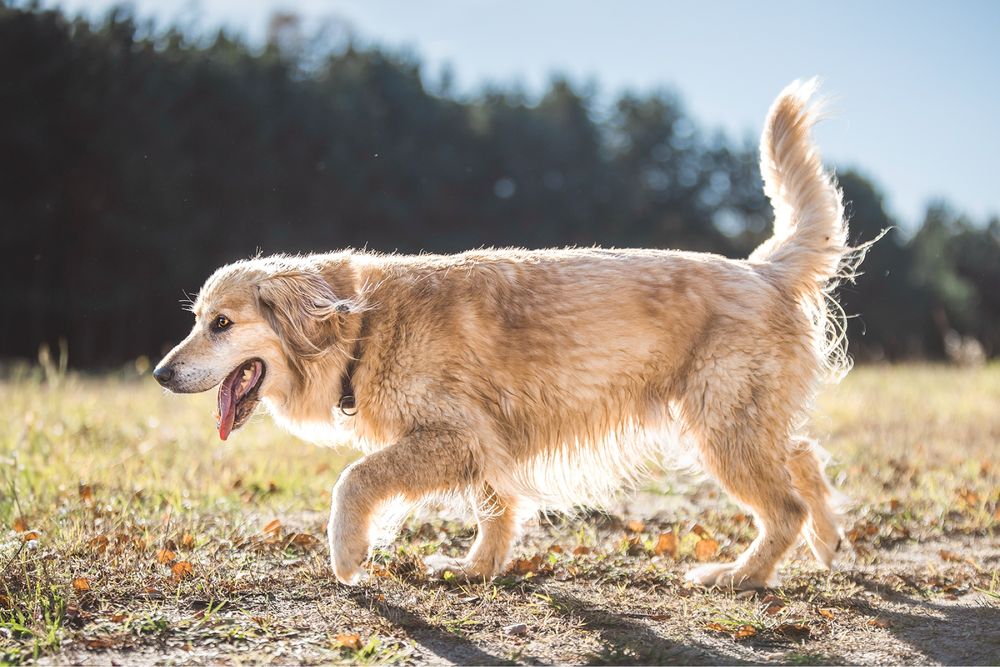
column 521, row 379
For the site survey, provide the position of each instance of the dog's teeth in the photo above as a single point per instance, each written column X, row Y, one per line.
column 245, row 380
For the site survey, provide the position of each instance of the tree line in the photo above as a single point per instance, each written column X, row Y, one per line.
column 134, row 161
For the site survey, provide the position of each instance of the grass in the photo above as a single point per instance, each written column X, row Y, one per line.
column 131, row 532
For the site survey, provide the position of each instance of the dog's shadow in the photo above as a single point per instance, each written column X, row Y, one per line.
column 623, row 640
column 626, row 641
column 446, row 645
column 941, row 633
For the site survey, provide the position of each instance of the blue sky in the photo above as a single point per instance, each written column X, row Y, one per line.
column 915, row 85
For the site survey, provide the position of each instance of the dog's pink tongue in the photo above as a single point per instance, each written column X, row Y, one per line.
column 227, row 408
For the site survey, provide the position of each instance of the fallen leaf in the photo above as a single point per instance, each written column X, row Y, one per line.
column 706, row 549
column 165, row 556
column 700, row 531
column 796, row 630
column 19, row 525
column 351, row 640
column 182, row 568
column 666, row 543
column 99, row 543
column 879, row 623
column 80, row 585
column 581, row 551
column 970, row 497
column 635, row 526
column 273, row 528
column 556, row 549
column 118, row 618
column 745, row 631
column 652, row 617
column 525, row 565
column 187, row 540
column 772, row 604
column 716, row 627
column 827, row 613
column 379, row 571
column 953, row 557
column 305, row 540
column 99, row 642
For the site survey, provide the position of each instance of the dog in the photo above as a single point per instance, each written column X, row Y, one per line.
column 523, row 379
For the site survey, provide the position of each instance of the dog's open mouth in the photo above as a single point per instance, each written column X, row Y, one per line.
column 238, row 396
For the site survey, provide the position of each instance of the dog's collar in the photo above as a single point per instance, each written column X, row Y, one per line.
column 348, row 404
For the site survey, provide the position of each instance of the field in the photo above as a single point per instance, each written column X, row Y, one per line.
column 130, row 532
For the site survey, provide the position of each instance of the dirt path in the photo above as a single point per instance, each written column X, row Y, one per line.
column 615, row 604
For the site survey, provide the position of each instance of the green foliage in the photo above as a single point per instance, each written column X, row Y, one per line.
column 135, row 161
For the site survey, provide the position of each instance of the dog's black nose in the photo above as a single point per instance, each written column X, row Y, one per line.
column 164, row 374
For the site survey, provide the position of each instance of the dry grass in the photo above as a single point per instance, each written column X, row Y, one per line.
column 130, row 532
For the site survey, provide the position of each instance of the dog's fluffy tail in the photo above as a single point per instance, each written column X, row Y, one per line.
column 810, row 232
column 809, row 255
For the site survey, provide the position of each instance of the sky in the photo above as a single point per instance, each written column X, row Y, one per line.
column 914, row 86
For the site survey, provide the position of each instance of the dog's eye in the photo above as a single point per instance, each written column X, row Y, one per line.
column 221, row 322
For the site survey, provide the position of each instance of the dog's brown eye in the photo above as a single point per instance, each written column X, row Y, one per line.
column 221, row 322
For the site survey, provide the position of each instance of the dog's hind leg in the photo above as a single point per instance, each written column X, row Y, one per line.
column 498, row 529
column 748, row 455
column 821, row 530
column 422, row 463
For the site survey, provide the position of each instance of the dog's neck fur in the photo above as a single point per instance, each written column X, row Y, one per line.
column 308, row 402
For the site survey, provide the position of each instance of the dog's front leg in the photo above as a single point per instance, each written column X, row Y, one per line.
column 424, row 462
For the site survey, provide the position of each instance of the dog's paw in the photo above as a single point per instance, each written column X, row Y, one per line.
column 347, row 558
column 455, row 569
column 726, row 576
column 348, row 571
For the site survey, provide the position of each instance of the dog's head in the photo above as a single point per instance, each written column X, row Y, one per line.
column 259, row 325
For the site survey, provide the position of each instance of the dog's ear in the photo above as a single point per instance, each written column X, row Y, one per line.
column 303, row 310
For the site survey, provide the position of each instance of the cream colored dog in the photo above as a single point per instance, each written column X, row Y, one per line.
column 525, row 378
